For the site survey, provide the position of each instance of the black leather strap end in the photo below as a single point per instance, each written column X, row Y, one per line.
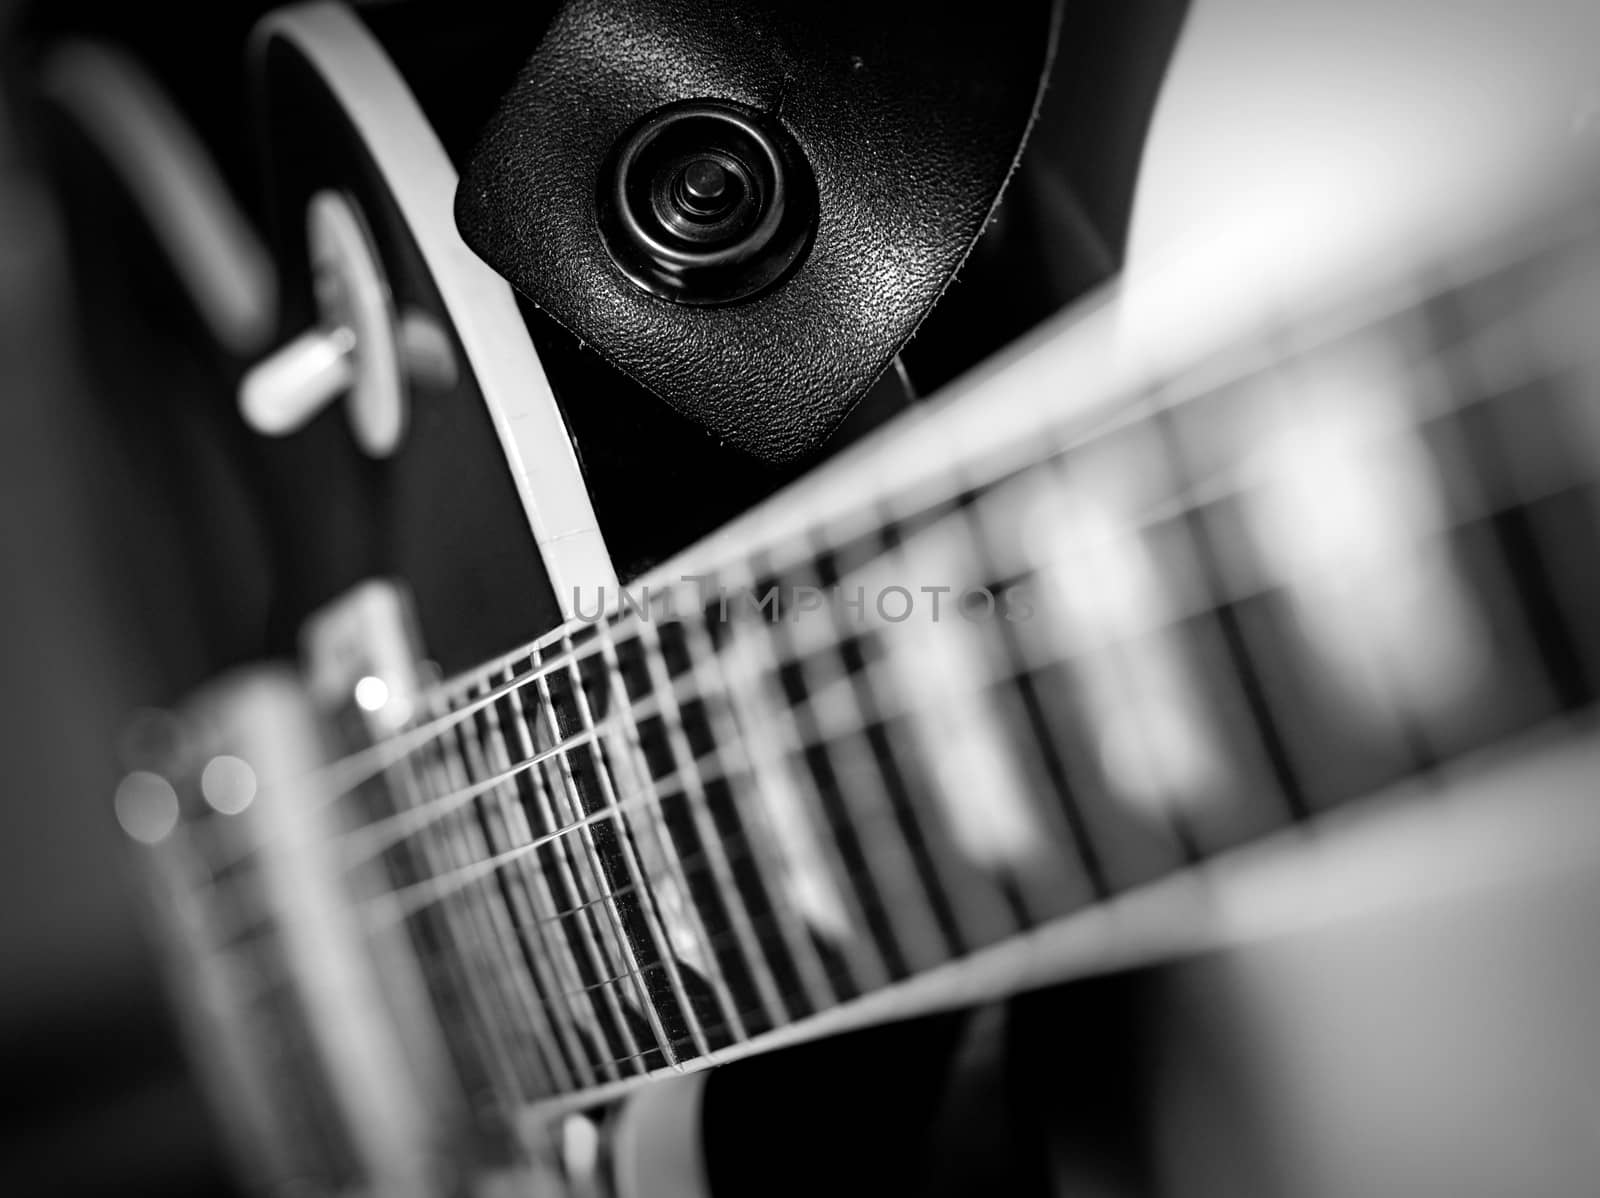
column 910, row 117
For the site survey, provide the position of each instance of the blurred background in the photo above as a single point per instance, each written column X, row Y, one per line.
column 95, row 623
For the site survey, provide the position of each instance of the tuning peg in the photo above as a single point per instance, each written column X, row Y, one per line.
column 361, row 348
column 283, row 392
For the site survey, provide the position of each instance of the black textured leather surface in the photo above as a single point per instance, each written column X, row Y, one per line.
column 911, row 116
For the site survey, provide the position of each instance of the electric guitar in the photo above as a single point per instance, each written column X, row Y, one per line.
column 1127, row 643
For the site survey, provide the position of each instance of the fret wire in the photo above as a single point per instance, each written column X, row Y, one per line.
column 1551, row 620
column 570, row 862
column 1490, row 374
column 373, row 838
column 409, row 900
column 1040, row 892
column 911, row 927
column 377, row 903
column 693, row 789
column 1466, row 372
column 888, row 898
column 486, row 759
column 555, row 837
column 947, row 879
column 1244, row 684
column 731, row 761
column 639, row 1056
column 402, row 903
column 786, row 785
column 650, row 804
column 1114, row 656
column 885, row 813
column 653, row 813
column 724, row 937
column 467, row 841
column 1044, row 759
column 1456, row 376
column 719, row 1025
column 568, row 801
column 559, row 950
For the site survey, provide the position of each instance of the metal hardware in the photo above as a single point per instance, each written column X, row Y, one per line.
column 364, row 649
column 360, row 346
column 706, row 202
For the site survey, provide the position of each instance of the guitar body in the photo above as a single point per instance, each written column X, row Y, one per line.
column 504, row 885
column 338, row 117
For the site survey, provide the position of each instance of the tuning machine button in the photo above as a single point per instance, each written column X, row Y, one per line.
column 360, row 347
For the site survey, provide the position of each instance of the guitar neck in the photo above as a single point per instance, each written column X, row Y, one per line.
column 760, row 793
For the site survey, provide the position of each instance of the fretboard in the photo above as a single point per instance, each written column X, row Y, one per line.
column 1335, row 558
